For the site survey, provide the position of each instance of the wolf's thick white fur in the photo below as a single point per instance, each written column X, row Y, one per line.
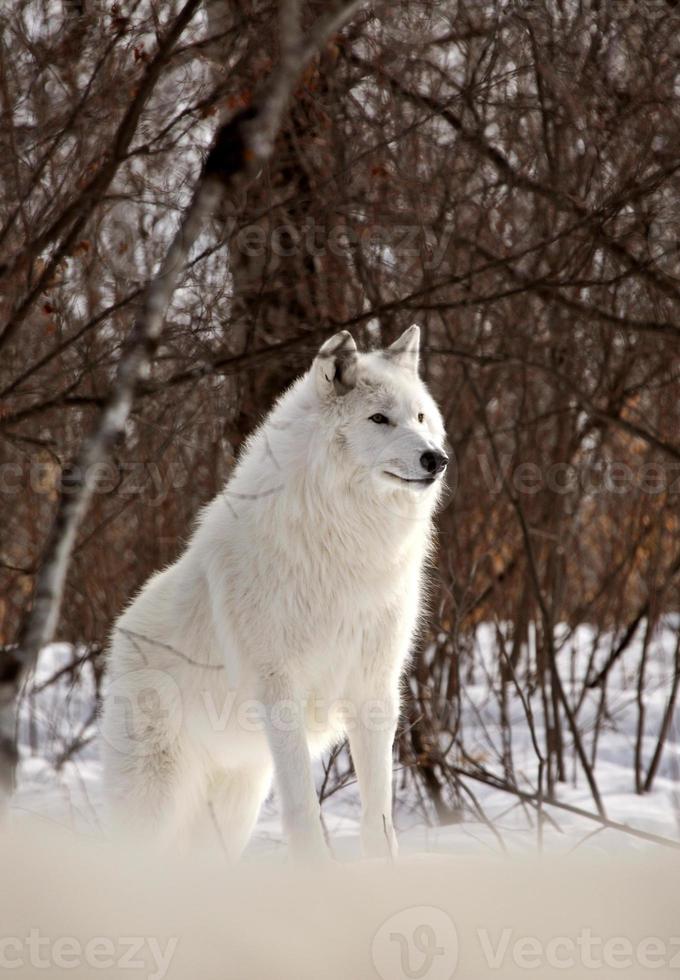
column 287, row 621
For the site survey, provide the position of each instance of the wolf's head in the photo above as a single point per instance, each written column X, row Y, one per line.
column 387, row 424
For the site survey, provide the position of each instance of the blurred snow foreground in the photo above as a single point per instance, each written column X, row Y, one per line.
column 472, row 899
column 86, row 908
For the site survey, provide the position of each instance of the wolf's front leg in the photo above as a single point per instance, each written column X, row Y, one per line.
column 286, row 734
column 371, row 738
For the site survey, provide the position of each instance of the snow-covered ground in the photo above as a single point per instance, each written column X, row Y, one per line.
column 62, row 784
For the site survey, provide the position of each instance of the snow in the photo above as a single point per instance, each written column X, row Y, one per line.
column 65, row 789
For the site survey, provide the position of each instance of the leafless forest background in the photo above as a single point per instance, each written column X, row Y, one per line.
column 505, row 174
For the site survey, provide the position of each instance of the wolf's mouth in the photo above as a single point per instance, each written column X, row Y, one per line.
column 424, row 482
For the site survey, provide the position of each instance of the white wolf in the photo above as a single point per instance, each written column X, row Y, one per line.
column 287, row 621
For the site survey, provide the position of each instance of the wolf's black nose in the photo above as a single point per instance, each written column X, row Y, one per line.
column 433, row 462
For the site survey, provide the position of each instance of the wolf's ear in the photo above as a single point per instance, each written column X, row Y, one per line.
column 335, row 366
column 404, row 351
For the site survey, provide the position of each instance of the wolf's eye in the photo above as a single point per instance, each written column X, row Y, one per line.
column 379, row 419
column 421, row 417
